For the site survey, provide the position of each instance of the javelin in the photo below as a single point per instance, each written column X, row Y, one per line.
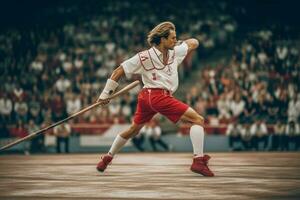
column 34, row 134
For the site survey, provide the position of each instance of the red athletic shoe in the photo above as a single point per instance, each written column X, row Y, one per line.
column 105, row 160
column 200, row 166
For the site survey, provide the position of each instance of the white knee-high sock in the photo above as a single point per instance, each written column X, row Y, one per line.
column 197, row 138
column 118, row 143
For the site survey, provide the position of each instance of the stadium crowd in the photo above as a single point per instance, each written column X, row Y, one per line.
column 48, row 73
column 258, row 85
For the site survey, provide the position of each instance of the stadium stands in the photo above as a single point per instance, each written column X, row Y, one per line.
column 51, row 71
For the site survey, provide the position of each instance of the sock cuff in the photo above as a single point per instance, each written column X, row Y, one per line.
column 121, row 138
column 197, row 127
column 118, row 143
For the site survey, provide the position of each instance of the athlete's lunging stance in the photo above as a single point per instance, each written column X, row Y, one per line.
column 158, row 68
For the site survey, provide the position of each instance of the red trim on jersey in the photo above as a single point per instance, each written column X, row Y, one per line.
column 143, row 64
column 153, row 63
column 167, row 57
column 154, row 67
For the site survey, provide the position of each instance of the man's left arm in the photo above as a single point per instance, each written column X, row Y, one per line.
column 184, row 47
column 192, row 44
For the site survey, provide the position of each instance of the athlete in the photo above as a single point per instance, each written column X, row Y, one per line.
column 158, row 68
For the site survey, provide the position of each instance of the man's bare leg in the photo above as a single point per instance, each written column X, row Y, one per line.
column 118, row 143
column 122, row 138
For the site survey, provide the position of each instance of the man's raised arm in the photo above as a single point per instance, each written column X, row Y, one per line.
column 192, row 44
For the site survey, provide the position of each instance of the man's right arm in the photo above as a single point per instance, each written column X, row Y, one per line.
column 117, row 74
column 130, row 66
column 111, row 84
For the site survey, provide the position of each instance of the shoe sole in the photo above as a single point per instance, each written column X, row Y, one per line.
column 201, row 173
column 100, row 170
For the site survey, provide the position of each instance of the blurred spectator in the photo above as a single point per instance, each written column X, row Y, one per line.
column 293, row 132
column 234, row 134
column 273, row 109
column 126, row 109
column 21, row 110
column 138, row 141
column 297, row 137
column 246, row 136
column 6, row 108
column 211, row 106
column 153, row 132
column 259, row 134
column 37, row 65
column 278, row 136
column 73, row 104
column 4, row 132
column 18, row 93
column 37, row 143
column 237, row 106
column 223, row 108
column 62, row 84
column 114, row 107
column 18, row 130
column 35, row 110
column 62, row 133
column 294, row 109
column 250, row 109
column 58, row 108
column 200, row 106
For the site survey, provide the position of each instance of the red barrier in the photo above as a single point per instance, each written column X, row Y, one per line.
column 99, row 129
column 214, row 130
column 86, row 128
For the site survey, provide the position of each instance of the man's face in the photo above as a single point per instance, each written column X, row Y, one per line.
column 170, row 42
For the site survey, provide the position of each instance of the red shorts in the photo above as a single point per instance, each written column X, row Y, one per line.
column 152, row 101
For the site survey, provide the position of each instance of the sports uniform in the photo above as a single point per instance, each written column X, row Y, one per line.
column 160, row 81
column 160, row 78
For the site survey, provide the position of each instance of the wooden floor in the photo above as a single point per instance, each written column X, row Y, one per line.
column 150, row 176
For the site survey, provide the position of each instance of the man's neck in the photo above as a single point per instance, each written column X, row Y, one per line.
column 163, row 50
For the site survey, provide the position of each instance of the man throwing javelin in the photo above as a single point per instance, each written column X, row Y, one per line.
column 158, row 68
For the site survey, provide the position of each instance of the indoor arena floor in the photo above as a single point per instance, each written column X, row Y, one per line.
column 150, row 176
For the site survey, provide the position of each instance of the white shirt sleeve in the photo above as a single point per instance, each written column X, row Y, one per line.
column 253, row 129
column 297, row 129
column 229, row 129
column 132, row 66
column 181, row 52
column 264, row 129
column 157, row 130
column 68, row 128
column 55, row 130
column 287, row 130
column 243, row 131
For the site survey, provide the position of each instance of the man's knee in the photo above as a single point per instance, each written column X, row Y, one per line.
column 135, row 132
column 193, row 117
column 199, row 120
column 135, row 128
column 132, row 131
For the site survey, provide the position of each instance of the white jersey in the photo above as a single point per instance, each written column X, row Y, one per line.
column 155, row 74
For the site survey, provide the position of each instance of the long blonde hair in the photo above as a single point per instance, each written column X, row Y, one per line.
column 159, row 31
